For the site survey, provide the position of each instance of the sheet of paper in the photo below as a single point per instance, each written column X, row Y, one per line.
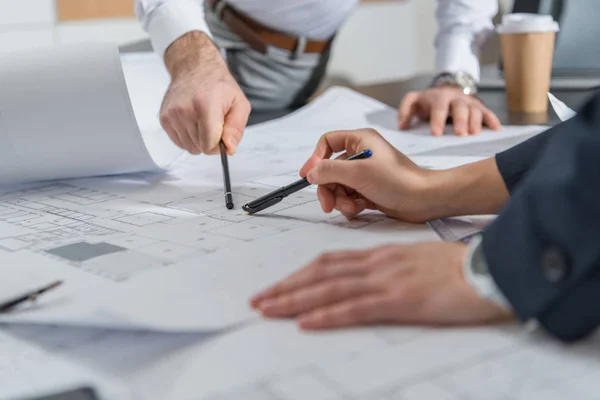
column 29, row 370
column 275, row 361
column 132, row 297
column 561, row 109
column 443, row 162
column 460, row 228
column 65, row 113
column 147, row 81
column 484, row 149
column 341, row 108
column 260, row 265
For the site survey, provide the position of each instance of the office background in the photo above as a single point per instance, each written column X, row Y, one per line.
column 384, row 40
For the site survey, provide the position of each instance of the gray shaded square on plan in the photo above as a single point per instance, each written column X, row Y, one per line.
column 84, row 251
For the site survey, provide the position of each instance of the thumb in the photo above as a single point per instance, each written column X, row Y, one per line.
column 347, row 173
column 407, row 109
column 210, row 130
column 309, row 165
column 235, row 123
column 332, row 142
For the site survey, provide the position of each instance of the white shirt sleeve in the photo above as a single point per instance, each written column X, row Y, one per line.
column 463, row 27
column 168, row 20
column 478, row 277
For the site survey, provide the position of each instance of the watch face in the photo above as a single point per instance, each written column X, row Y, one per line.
column 466, row 81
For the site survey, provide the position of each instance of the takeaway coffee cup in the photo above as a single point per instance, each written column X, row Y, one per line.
column 527, row 42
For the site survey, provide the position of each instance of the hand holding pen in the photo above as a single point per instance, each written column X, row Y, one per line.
column 388, row 181
column 279, row 195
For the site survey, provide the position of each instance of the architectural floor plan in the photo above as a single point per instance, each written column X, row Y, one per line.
column 115, row 237
column 166, row 242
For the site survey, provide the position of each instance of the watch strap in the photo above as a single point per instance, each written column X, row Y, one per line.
column 461, row 80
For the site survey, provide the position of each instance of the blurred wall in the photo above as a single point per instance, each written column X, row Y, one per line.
column 393, row 40
column 378, row 43
column 26, row 24
column 383, row 40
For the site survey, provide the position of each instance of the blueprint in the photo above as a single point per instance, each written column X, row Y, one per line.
column 28, row 369
column 100, row 235
column 158, row 273
column 275, row 361
column 117, row 241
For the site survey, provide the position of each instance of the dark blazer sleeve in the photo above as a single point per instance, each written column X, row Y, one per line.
column 516, row 162
column 543, row 250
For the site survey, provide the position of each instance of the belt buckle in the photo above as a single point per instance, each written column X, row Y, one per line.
column 218, row 7
column 300, row 47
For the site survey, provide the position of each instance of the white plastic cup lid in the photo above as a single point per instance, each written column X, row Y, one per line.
column 527, row 23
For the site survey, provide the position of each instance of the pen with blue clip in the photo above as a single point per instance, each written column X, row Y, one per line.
column 278, row 195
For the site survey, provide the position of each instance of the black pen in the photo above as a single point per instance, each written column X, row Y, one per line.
column 31, row 296
column 278, row 195
column 226, row 178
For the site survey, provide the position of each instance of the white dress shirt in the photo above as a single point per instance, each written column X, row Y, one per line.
column 463, row 24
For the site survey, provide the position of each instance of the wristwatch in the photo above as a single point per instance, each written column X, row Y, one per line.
column 463, row 80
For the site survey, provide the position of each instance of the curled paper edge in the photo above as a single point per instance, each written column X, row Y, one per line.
column 562, row 111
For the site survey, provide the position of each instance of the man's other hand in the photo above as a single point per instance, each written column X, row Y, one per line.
column 468, row 113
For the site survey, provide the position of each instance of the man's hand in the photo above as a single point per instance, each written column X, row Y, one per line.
column 204, row 103
column 417, row 284
column 468, row 113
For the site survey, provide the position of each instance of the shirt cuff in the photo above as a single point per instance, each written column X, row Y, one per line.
column 478, row 277
column 457, row 53
column 174, row 19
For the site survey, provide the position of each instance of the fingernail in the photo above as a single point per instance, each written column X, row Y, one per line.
column 267, row 305
column 255, row 301
column 305, row 323
column 310, row 177
column 233, row 142
column 258, row 295
column 346, row 208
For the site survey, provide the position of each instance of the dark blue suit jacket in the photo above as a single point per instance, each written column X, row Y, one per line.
column 544, row 249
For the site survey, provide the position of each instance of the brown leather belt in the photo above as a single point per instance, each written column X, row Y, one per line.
column 259, row 37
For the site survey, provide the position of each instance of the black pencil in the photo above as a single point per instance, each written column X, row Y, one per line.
column 226, row 178
column 31, row 296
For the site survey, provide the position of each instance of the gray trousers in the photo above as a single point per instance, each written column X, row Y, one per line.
column 273, row 81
